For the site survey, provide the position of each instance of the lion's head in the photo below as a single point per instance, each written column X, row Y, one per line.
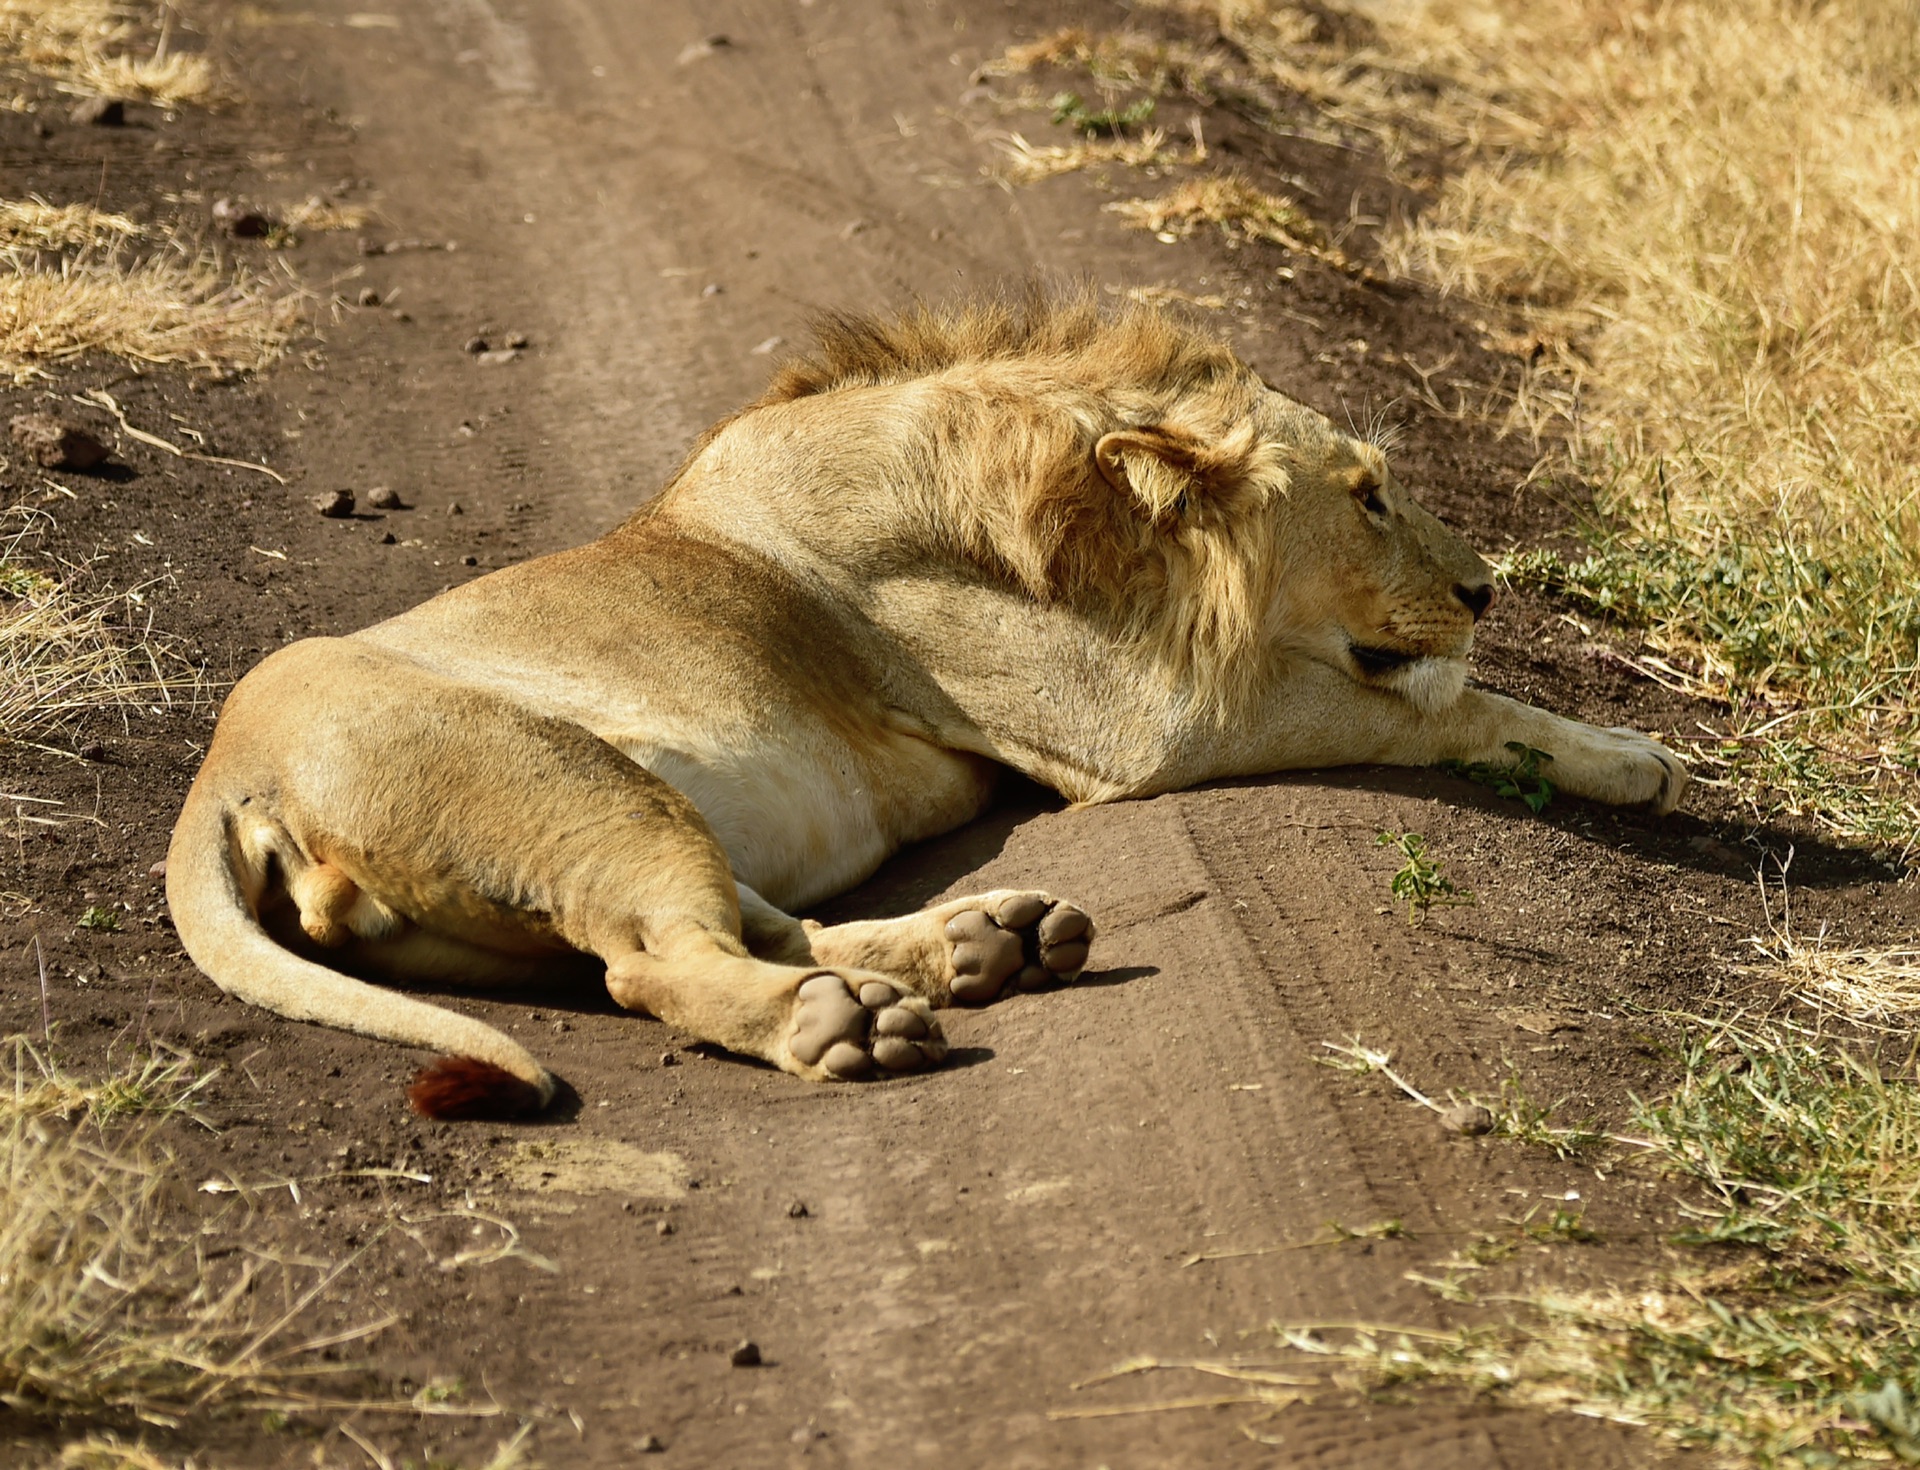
column 1125, row 463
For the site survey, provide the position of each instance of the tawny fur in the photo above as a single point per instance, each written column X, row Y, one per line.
column 1095, row 548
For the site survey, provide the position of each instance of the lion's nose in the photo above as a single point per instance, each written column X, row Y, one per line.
column 1476, row 600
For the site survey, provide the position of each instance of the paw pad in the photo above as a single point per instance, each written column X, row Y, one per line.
column 1028, row 941
column 848, row 1033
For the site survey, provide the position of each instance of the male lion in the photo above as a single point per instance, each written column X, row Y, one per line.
column 1097, row 549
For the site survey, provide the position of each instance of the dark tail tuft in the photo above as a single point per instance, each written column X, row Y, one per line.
column 462, row 1088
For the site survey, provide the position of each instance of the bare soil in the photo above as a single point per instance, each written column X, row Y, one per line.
column 928, row 1267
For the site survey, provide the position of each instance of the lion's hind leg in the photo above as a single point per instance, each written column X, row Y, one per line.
column 967, row 951
column 824, row 1024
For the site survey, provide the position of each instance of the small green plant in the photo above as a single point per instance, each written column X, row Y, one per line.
column 1420, row 884
column 1520, row 779
column 101, row 918
column 1109, row 122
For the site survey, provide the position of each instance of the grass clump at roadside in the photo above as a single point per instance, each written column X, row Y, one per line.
column 1711, row 211
column 69, row 650
column 106, row 48
column 1788, row 1330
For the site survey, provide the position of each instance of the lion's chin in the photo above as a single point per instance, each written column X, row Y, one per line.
column 1428, row 684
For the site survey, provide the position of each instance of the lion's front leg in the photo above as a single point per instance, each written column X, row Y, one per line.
column 1321, row 717
column 1619, row 766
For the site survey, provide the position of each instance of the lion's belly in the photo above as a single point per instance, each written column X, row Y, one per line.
column 804, row 818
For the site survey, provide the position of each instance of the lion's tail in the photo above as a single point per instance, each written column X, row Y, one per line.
column 213, row 889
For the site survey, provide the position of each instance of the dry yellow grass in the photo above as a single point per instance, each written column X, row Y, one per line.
column 1237, row 208
column 1028, row 163
column 34, row 224
column 174, row 306
column 67, row 650
column 109, row 48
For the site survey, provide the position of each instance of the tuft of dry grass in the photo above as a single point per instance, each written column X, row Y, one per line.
column 1122, row 60
column 175, row 305
column 1238, row 209
column 1029, row 163
column 108, row 48
column 68, row 649
column 34, row 224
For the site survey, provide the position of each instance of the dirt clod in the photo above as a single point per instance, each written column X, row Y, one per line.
column 1468, row 1118
column 747, row 1355
column 241, row 222
column 665, row 1227
column 368, row 296
column 335, row 504
column 476, row 345
column 385, row 497
column 99, row 112
column 56, row 445
column 797, row 1210
column 649, row 1444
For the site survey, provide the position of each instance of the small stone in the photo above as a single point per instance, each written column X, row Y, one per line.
column 239, row 221
column 697, row 50
column 335, row 504
column 385, row 497
column 797, row 1210
column 387, row 538
column 518, row 341
column 456, row 509
column 93, row 751
column 497, row 357
column 99, row 112
column 400, row 316
column 469, row 561
column 1468, row 1118
column 747, row 1355
column 55, row 444
column 668, row 1059
column 158, row 870
column 369, row 296
column 649, row 1444
column 665, row 1227
column 476, row 345
column 713, row 288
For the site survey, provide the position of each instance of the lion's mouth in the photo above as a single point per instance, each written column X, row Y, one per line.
column 1379, row 661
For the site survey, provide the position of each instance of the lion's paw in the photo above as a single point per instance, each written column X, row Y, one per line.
column 1005, row 941
column 843, row 1028
column 1620, row 766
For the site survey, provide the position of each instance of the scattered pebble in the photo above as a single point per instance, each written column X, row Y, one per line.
column 456, row 509
column 335, row 504
column 99, row 112
column 797, row 1210
column 648, row 1444
column 1468, row 1118
column 158, row 870
column 518, row 341
column 476, row 345
column 400, row 316
column 55, row 444
column 469, row 561
column 665, row 1227
column 389, row 539
column 497, row 356
column 712, row 288
column 94, row 751
column 385, row 497
column 239, row 221
column 704, row 47
column 747, row 1355
column 767, row 346
column 369, row 296
column 668, row 1059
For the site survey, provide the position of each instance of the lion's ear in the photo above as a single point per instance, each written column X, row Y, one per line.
column 1165, row 469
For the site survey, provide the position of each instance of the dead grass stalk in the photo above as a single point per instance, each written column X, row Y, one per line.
column 109, row 48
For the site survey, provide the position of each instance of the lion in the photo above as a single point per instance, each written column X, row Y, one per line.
column 1095, row 548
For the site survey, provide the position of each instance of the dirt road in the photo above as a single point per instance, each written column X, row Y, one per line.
column 656, row 196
